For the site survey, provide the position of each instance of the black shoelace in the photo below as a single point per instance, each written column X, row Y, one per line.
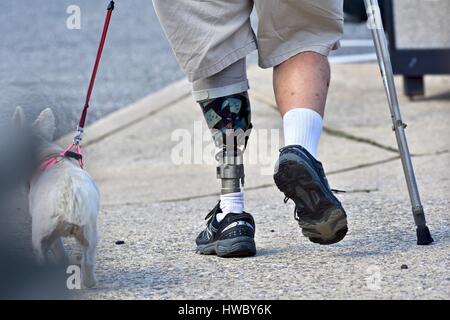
column 215, row 210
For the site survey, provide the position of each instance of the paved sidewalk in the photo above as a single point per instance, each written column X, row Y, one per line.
column 157, row 206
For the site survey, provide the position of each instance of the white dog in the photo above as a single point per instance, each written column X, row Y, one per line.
column 64, row 201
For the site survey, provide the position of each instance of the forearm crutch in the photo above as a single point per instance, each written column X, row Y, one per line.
column 375, row 25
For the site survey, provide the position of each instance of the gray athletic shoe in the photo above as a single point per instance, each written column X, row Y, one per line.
column 318, row 212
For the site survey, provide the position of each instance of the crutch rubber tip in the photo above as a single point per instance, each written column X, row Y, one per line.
column 423, row 236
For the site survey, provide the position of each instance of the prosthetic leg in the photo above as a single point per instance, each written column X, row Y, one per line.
column 225, row 104
column 376, row 26
column 229, row 120
column 223, row 98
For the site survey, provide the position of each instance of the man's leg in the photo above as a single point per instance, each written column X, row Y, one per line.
column 294, row 38
column 224, row 101
column 301, row 87
column 302, row 82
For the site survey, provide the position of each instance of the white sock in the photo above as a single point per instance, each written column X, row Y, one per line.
column 230, row 202
column 303, row 126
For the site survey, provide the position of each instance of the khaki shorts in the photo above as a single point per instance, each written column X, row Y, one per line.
column 209, row 35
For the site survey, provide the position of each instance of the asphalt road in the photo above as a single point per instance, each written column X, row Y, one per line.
column 43, row 63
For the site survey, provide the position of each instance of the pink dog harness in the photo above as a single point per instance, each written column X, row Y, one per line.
column 50, row 162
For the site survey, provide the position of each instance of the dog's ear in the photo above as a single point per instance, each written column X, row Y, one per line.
column 19, row 119
column 46, row 124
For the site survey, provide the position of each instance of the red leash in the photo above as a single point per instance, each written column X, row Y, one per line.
column 76, row 145
column 74, row 151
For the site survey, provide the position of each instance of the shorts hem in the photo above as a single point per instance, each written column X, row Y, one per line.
column 223, row 63
column 213, row 93
column 274, row 61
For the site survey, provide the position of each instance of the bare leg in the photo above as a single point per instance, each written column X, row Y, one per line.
column 302, row 82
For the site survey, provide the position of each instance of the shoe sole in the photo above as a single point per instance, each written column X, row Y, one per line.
column 324, row 222
column 230, row 248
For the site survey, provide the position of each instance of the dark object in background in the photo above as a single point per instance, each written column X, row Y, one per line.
column 356, row 10
column 419, row 41
column 20, row 276
column 18, row 157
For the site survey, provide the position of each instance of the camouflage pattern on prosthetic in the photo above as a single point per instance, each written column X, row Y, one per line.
column 229, row 119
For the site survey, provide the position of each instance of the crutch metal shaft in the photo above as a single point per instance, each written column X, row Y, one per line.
column 376, row 27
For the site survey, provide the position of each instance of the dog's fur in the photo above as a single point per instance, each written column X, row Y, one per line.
column 64, row 201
